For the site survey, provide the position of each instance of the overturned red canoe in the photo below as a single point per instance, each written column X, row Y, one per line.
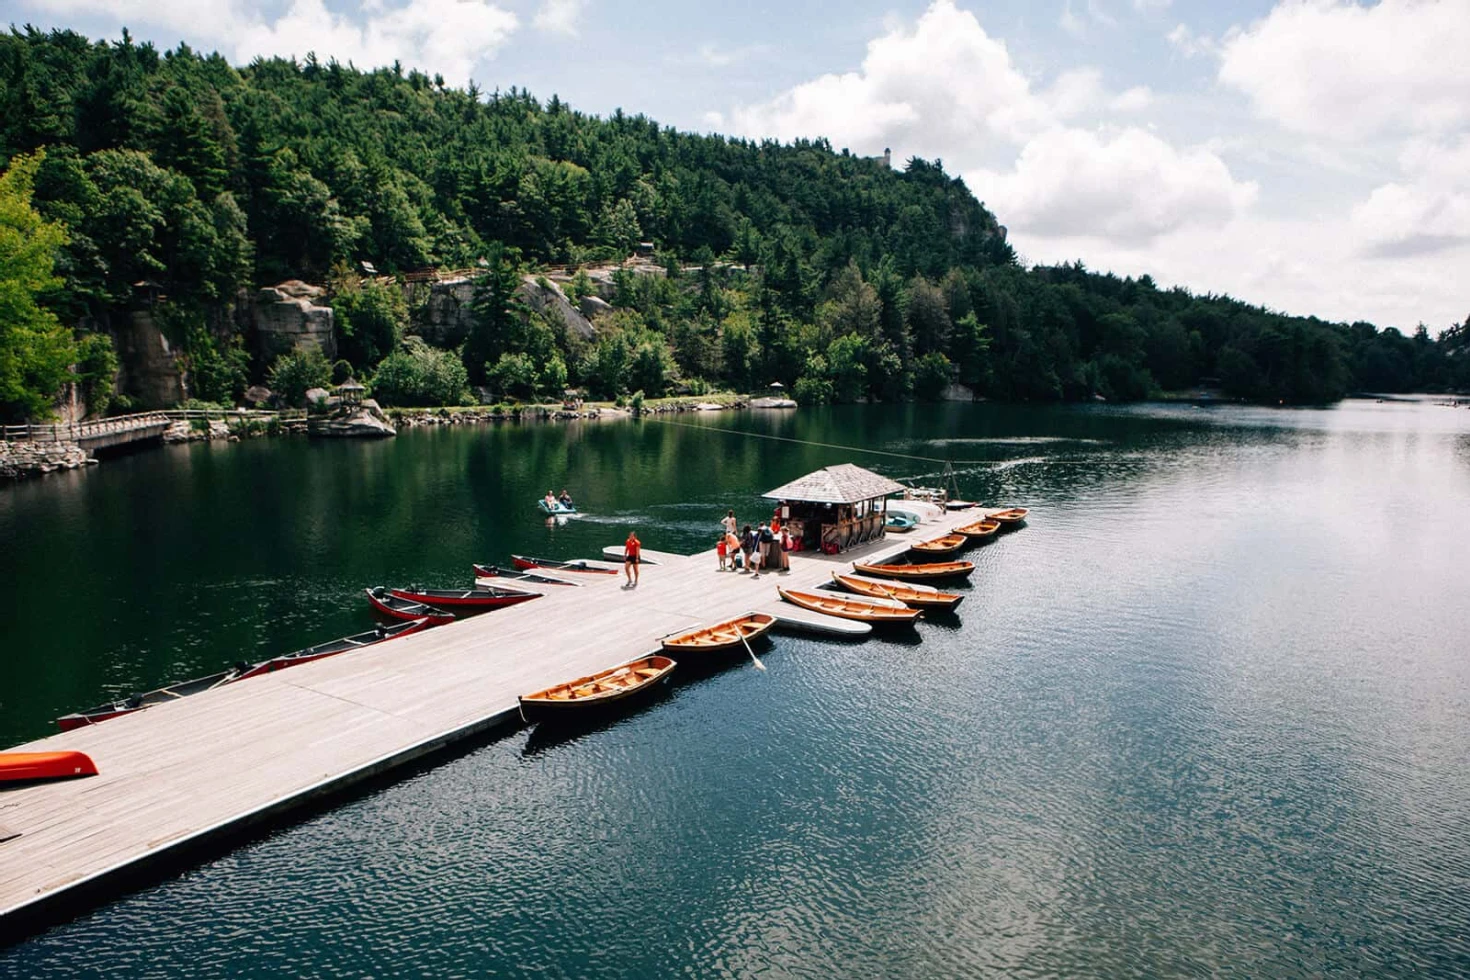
column 26, row 766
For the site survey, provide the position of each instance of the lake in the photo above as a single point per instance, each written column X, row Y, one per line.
column 1209, row 713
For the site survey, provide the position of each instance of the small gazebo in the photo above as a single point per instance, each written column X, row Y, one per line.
column 350, row 392
column 835, row 508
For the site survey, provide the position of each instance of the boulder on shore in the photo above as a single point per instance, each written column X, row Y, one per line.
column 258, row 396
column 363, row 421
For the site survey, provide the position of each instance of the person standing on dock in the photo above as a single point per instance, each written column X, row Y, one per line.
column 632, row 551
column 728, row 522
column 767, row 558
column 747, row 546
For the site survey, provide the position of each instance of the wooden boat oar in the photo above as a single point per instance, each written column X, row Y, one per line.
column 758, row 665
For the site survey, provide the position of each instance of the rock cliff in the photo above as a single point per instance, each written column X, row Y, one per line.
column 444, row 319
column 287, row 318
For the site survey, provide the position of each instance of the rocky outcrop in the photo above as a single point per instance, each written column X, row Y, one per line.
column 445, row 318
column 22, row 459
column 593, row 307
column 364, row 420
column 186, row 430
column 259, row 396
column 545, row 296
column 287, row 318
column 148, row 367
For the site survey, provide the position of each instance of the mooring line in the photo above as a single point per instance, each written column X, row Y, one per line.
column 809, row 442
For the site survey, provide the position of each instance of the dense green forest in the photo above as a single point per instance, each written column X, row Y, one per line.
column 831, row 273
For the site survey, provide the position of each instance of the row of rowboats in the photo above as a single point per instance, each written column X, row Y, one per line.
column 882, row 593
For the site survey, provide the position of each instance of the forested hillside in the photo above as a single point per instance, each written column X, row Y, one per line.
column 831, row 273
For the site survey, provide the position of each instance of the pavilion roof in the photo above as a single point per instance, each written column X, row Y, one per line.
column 840, row 484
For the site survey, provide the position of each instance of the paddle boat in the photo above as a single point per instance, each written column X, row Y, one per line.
column 18, row 767
column 846, row 607
column 616, row 686
column 901, row 521
column 732, row 635
column 555, row 507
column 917, row 596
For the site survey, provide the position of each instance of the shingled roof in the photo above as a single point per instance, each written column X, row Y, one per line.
column 840, row 484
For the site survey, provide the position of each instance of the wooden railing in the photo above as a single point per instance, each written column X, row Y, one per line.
column 77, row 431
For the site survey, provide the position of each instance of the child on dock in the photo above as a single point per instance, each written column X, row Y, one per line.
column 720, row 549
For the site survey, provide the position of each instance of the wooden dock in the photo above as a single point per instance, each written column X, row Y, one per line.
column 180, row 775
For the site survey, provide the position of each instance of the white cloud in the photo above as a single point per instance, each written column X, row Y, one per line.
column 1332, row 68
column 1070, row 22
column 1426, row 212
column 444, row 36
column 1130, row 188
column 942, row 86
column 1145, row 6
column 1135, row 99
column 560, row 16
column 1190, row 44
column 713, row 56
column 946, row 88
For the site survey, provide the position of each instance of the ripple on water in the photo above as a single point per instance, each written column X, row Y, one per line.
column 1200, row 717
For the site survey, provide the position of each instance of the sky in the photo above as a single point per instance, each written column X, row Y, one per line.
column 1311, row 156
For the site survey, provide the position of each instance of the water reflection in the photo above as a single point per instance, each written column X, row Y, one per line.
column 1205, row 715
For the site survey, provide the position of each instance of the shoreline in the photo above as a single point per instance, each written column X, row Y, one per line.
column 22, row 460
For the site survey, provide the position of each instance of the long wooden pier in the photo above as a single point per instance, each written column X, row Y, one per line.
column 180, row 775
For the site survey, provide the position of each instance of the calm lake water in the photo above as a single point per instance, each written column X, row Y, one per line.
column 1208, row 714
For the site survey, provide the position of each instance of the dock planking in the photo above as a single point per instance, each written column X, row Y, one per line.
column 214, row 763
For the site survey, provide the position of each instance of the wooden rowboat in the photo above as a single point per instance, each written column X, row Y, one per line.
column 847, row 607
column 946, row 545
column 28, row 766
column 980, row 530
column 479, row 599
column 733, row 634
column 518, row 575
column 393, row 607
column 585, row 695
column 551, row 564
column 938, row 569
column 919, row 597
column 239, row 672
column 1011, row 518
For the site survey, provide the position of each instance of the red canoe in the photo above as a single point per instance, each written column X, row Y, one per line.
column 474, row 600
column 552, row 565
column 395, row 608
column 25, row 766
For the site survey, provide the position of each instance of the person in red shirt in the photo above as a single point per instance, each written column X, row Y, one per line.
column 632, row 551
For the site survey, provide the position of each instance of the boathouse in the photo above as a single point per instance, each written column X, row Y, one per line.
column 835, row 508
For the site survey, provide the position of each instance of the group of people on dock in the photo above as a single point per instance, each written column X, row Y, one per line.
column 753, row 549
